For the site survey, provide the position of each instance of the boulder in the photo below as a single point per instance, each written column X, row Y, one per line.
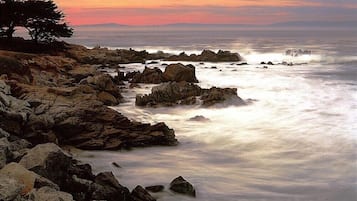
column 199, row 118
column 148, row 76
column 49, row 194
column 28, row 179
column 107, row 98
column 49, row 161
column 106, row 187
column 179, row 72
column 10, row 188
column 180, row 185
column 216, row 95
column 140, row 194
column 168, row 94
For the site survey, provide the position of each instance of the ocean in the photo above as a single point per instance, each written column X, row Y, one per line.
column 296, row 140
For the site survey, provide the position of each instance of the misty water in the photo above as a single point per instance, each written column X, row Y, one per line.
column 296, row 140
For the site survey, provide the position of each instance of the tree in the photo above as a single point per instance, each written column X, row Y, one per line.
column 45, row 21
column 42, row 18
column 11, row 16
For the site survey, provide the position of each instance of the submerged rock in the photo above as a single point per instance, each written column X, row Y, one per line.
column 180, row 185
column 216, row 95
column 199, row 118
column 155, row 189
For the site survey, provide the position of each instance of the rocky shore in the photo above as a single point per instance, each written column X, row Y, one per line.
column 49, row 100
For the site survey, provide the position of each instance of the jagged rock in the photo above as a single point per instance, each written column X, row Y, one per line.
column 10, row 188
column 168, row 94
column 180, row 185
column 108, row 188
column 28, row 179
column 173, row 93
column 155, row 189
column 49, row 194
column 140, row 194
column 49, row 161
column 148, row 76
column 218, row 95
column 179, row 72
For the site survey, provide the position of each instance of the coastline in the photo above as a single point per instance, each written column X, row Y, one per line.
column 61, row 99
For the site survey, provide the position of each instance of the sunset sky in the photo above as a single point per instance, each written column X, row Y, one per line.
column 153, row 12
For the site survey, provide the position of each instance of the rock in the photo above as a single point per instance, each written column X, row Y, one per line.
column 10, row 188
column 103, row 82
column 208, row 56
column 148, row 76
column 49, row 161
column 134, row 85
column 140, row 194
column 180, row 185
column 168, row 94
column 153, row 62
column 199, row 118
column 49, row 194
column 3, row 133
column 107, row 98
column 218, row 95
column 155, row 189
column 28, row 179
column 179, row 72
column 116, row 165
column 108, row 188
column 14, row 69
column 5, row 153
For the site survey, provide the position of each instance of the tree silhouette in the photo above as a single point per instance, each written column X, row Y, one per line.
column 42, row 18
column 11, row 16
column 44, row 21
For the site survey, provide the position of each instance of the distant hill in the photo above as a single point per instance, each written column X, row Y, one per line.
column 351, row 24
column 289, row 24
column 106, row 25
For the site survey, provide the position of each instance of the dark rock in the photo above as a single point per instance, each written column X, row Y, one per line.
column 180, row 185
column 218, row 95
column 140, row 194
column 180, row 72
column 168, row 94
column 149, row 76
column 270, row 63
column 263, row 63
column 199, row 118
column 153, row 62
column 207, row 55
column 116, row 165
column 214, row 67
column 242, row 64
column 108, row 188
column 155, row 189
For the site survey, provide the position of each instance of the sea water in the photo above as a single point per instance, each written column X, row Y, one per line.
column 295, row 140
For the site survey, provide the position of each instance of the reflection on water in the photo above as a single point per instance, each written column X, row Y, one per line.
column 296, row 141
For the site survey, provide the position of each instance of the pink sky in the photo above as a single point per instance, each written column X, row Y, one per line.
column 150, row 12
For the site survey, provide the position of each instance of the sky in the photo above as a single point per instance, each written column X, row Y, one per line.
column 157, row 12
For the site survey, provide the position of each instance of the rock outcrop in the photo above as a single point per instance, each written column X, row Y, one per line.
column 66, row 103
column 173, row 73
column 179, row 72
column 207, row 56
column 183, row 93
